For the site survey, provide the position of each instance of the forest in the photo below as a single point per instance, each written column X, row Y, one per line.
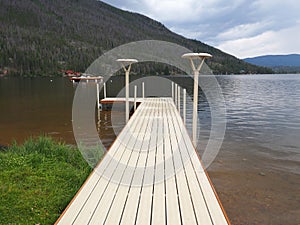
column 45, row 38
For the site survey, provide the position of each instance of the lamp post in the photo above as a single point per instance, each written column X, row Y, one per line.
column 192, row 57
column 126, row 64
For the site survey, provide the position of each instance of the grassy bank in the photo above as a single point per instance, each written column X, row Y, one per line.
column 38, row 179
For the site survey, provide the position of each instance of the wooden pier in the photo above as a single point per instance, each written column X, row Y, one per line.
column 151, row 175
column 119, row 100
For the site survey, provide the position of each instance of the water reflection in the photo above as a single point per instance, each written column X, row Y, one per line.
column 265, row 110
column 261, row 109
column 257, row 170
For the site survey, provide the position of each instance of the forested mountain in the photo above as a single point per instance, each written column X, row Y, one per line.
column 42, row 37
column 279, row 63
column 275, row 60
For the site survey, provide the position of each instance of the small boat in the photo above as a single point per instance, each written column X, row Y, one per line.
column 87, row 78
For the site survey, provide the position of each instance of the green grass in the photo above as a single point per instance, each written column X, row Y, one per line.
column 38, row 179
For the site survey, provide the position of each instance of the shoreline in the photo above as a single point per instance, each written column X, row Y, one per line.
column 249, row 185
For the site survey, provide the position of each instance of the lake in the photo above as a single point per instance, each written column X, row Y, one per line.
column 257, row 170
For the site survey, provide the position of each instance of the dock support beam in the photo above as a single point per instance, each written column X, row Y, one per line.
column 98, row 100
column 104, row 90
column 184, row 106
column 125, row 62
column 135, row 92
column 172, row 90
column 175, row 94
column 191, row 57
column 195, row 105
column 178, row 100
column 127, row 93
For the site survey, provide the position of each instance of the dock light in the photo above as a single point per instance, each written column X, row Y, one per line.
column 126, row 64
column 192, row 57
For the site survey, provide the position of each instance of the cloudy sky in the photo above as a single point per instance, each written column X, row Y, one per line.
column 244, row 28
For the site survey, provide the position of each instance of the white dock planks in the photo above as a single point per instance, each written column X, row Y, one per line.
column 120, row 100
column 151, row 175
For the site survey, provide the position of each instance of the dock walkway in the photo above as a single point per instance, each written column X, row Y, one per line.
column 150, row 175
column 122, row 100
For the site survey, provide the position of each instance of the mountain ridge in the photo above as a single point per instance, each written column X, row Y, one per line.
column 275, row 60
column 41, row 37
column 288, row 63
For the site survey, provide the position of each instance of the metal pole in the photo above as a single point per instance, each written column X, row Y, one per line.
column 184, row 106
column 178, row 101
column 143, row 90
column 104, row 90
column 195, row 107
column 135, row 92
column 172, row 90
column 127, row 95
column 175, row 94
column 98, row 100
column 127, row 70
column 196, row 71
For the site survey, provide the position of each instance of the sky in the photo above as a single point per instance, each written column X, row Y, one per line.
column 243, row 28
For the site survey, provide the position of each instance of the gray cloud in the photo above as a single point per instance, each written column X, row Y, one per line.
column 225, row 23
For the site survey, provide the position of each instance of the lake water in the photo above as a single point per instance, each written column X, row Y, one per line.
column 257, row 171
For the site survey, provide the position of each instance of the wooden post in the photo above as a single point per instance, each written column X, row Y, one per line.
column 127, row 94
column 195, row 108
column 143, row 90
column 172, row 94
column 175, row 94
column 201, row 57
column 135, row 92
column 178, row 101
column 98, row 100
column 184, row 106
column 127, row 70
column 104, row 90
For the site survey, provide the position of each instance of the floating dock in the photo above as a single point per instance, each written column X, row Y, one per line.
column 152, row 174
column 86, row 79
column 119, row 100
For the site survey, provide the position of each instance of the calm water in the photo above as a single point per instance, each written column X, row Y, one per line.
column 265, row 111
column 257, row 172
column 35, row 106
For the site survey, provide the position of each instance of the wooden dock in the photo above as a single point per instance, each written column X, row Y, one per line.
column 151, row 175
column 119, row 100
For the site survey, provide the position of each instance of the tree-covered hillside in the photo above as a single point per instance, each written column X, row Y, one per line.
column 42, row 37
